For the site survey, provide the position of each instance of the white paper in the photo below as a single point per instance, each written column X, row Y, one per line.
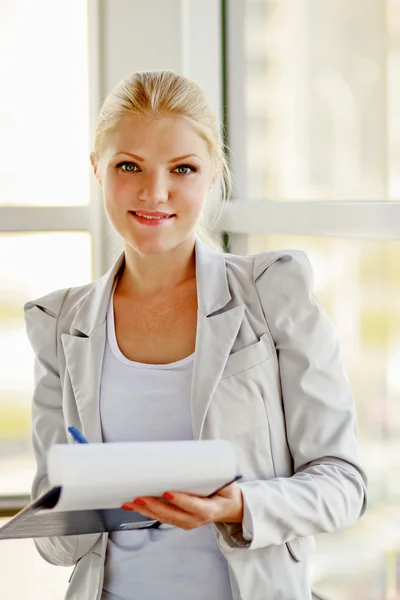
column 107, row 475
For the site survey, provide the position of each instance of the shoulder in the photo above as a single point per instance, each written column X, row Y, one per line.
column 42, row 314
column 274, row 265
column 52, row 303
column 285, row 287
column 285, row 266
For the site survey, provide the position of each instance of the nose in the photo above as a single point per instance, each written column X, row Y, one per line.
column 154, row 188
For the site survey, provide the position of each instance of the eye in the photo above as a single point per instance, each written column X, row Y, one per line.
column 185, row 169
column 130, row 167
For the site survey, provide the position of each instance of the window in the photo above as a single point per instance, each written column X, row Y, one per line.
column 44, row 199
column 313, row 117
column 358, row 283
column 33, row 265
column 44, row 141
column 325, row 76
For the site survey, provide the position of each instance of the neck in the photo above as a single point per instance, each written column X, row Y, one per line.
column 152, row 274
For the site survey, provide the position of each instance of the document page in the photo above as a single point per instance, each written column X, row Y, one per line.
column 101, row 476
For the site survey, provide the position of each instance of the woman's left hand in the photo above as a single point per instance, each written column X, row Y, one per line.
column 189, row 512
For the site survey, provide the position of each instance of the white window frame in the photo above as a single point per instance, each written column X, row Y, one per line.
column 114, row 52
column 243, row 217
column 84, row 218
column 124, row 36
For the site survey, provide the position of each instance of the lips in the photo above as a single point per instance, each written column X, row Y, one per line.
column 151, row 221
column 147, row 213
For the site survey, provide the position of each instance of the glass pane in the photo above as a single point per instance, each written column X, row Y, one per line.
column 44, row 126
column 31, row 266
column 358, row 283
column 322, row 99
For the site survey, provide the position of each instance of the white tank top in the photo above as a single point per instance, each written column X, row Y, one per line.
column 142, row 402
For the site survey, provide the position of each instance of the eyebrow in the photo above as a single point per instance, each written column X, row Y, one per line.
column 178, row 158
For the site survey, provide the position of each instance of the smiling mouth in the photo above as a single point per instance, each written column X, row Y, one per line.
column 152, row 221
column 150, row 217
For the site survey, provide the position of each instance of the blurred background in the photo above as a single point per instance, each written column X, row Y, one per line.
column 308, row 94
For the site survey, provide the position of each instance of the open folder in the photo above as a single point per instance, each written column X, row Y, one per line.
column 89, row 483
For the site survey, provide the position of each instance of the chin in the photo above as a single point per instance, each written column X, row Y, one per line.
column 154, row 244
column 150, row 248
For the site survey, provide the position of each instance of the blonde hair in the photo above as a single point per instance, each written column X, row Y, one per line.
column 153, row 94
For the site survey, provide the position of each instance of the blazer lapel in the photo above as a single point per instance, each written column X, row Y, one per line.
column 84, row 350
column 215, row 338
column 84, row 359
column 217, row 330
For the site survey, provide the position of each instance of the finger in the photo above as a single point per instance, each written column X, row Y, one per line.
column 146, row 511
column 206, row 509
column 166, row 513
column 142, row 504
column 224, row 506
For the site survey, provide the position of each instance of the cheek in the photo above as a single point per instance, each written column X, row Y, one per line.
column 192, row 195
column 116, row 193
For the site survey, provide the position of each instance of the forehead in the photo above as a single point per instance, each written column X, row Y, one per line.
column 165, row 137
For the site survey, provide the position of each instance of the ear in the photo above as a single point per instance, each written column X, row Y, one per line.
column 215, row 178
column 94, row 162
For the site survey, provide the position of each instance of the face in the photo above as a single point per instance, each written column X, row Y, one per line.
column 154, row 168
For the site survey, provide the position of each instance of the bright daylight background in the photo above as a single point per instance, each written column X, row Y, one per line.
column 321, row 121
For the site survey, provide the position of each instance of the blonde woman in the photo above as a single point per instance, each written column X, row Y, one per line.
column 179, row 341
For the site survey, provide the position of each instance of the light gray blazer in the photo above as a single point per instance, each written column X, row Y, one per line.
column 267, row 375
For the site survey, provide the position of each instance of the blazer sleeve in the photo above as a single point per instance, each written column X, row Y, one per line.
column 48, row 426
column 327, row 491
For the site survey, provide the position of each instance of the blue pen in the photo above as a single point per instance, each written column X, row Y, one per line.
column 77, row 435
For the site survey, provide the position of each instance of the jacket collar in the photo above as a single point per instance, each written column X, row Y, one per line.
column 212, row 289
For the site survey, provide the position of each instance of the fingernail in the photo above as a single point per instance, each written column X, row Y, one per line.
column 168, row 496
column 126, row 507
column 140, row 502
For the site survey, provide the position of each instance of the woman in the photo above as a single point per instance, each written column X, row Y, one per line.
column 179, row 341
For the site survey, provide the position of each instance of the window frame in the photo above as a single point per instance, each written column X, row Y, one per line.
column 358, row 219
column 113, row 52
column 379, row 220
column 221, row 23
